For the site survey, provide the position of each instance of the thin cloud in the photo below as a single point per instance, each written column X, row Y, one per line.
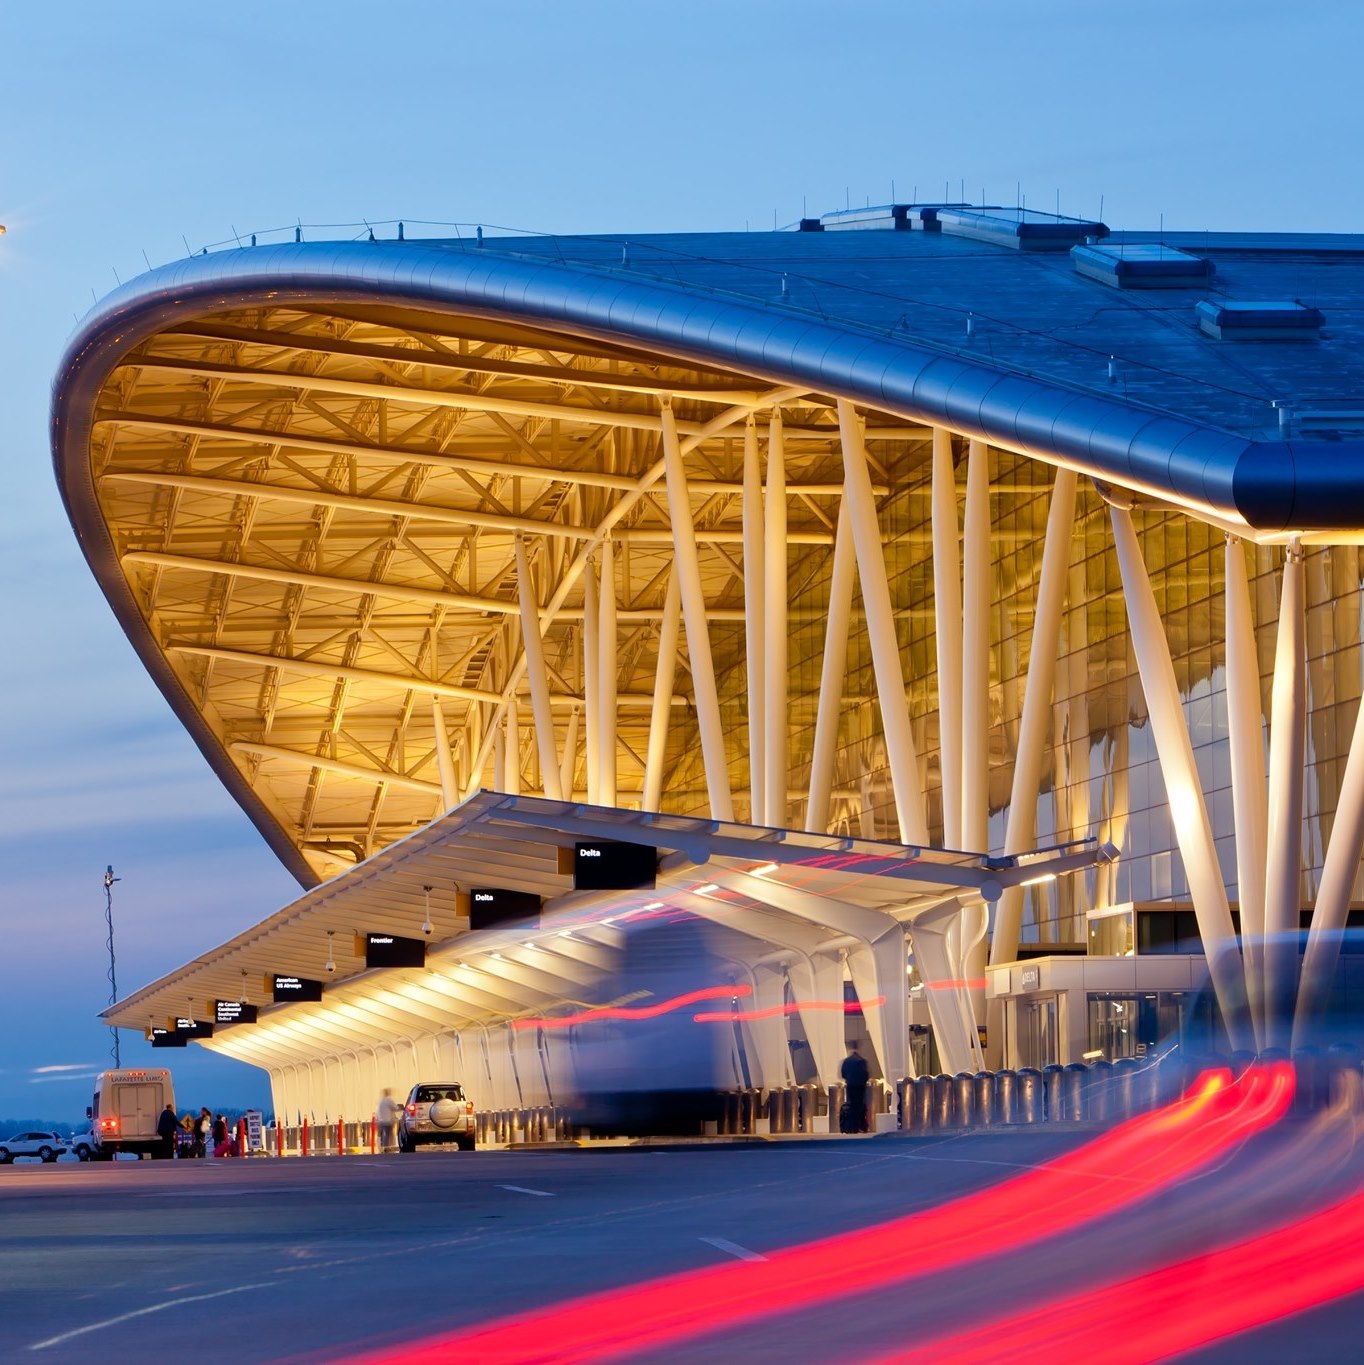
column 62, row 1066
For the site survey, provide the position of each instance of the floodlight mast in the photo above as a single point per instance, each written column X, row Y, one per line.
column 109, row 880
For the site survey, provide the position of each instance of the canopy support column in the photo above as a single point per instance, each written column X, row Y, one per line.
column 1250, row 813
column 754, row 631
column 445, row 759
column 776, row 760
column 608, row 668
column 832, row 672
column 665, row 674
column 885, row 649
column 947, row 618
column 1287, row 754
column 536, row 675
column 688, row 568
column 1187, row 809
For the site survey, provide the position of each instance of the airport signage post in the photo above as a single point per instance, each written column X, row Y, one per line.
column 604, row 865
column 233, row 1012
column 286, row 990
column 490, row 906
column 388, row 950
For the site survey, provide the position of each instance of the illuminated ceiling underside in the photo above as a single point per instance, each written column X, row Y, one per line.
column 317, row 514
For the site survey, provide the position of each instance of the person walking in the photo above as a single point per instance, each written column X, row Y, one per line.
column 202, row 1130
column 166, row 1127
column 853, row 1118
column 386, row 1116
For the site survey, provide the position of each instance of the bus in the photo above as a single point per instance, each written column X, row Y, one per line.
column 125, row 1110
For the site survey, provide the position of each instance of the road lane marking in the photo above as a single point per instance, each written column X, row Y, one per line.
column 733, row 1249
column 521, row 1189
column 142, row 1313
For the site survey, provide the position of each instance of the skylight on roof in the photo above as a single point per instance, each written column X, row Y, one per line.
column 1141, row 265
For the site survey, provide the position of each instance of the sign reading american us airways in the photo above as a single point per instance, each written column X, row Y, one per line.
column 388, row 950
column 288, row 989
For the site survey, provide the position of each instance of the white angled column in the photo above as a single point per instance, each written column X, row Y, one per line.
column 568, row 765
column 832, row 673
column 445, row 759
column 687, row 566
column 536, row 675
column 514, row 745
column 975, row 653
column 607, row 670
column 1338, row 875
column 885, row 648
column 776, row 761
column 1250, row 813
column 1021, row 830
column 754, row 632
column 591, row 680
column 665, row 674
column 1188, row 813
column 1287, row 754
column 947, row 618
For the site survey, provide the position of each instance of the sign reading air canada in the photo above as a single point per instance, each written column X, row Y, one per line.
column 387, row 950
column 492, row 905
column 603, row 865
column 286, row 990
column 233, row 1012
column 190, row 1028
column 164, row 1037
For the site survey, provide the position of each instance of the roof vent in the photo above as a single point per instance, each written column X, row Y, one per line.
column 1021, row 229
column 810, row 225
column 1259, row 320
column 1141, row 266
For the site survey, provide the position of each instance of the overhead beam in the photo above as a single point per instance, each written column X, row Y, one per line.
column 638, row 701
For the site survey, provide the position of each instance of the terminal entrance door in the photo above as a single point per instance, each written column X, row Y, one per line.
column 1039, row 1033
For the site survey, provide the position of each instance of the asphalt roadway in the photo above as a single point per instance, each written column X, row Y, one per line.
column 322, row 1259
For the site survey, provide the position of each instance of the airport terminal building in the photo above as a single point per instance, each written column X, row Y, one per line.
column 960, row 606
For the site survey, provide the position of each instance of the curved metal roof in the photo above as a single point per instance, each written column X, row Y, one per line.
column 298, row 471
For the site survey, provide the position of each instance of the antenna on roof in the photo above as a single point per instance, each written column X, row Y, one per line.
column 147, row 259
column 189, row 250
column 892, row 189
column 1101, row 208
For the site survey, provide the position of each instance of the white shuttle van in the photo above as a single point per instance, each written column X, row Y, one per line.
column 126, row 1108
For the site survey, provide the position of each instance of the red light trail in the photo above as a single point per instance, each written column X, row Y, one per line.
column 1153, row 1151
column 677, row 1002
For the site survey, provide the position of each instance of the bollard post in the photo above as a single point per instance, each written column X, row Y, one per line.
column 943, row 1110
column 836, row 1107
column 279, row 1138
column 1073, row 1081
column 921, row 1104
column 964, row 1098
column 1029, row 1095
column 340, row 1137
column 1099, row 1106
column 1053, row 1085
column 788, row 1109
column 303, row 1139
column 1006, row 1095
column 985, row 1098
column 1124, row 1087
column 241, row 1137
column 373, row 1134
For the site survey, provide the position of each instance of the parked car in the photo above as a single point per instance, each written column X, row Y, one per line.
column 82, row 1145
column 45, row 1146
column 436, row 1112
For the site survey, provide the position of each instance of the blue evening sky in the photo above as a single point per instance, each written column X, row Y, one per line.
column 129, row 129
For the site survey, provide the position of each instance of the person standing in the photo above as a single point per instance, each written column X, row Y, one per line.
column 166, row 1126
column 202, row 1130
column 387, row 1117
column 855, row 1078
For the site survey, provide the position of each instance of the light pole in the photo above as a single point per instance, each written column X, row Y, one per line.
column 109, row 880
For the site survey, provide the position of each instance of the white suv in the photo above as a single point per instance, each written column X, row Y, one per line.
column 45, row 1146
column 436, row 1111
